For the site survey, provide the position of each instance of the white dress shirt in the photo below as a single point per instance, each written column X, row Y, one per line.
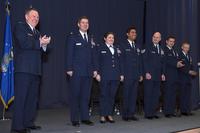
column 82, row 34
column 111, row 48
column 44, row 47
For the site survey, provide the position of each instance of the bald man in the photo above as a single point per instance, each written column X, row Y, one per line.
column 154, row 74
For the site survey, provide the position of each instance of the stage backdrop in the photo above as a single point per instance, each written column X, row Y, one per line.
column 180, row 18
column 59, row 17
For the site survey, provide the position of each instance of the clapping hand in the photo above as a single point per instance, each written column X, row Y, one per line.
column 44, row 40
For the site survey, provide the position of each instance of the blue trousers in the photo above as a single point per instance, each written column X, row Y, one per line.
column 80, row 88
column 108, row 89
column 25, row 102
column 130, row 91
column 185, row 97
column 170, row 97
column 151, row 97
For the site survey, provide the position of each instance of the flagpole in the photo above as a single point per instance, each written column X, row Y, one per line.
column 7, row 7
column 3, row 115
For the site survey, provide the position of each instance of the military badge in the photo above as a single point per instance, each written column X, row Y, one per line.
column 162, row 52
column 119, row 51
column 92, row 42
column 143, row 51
column 190, row 59
column 138, row 51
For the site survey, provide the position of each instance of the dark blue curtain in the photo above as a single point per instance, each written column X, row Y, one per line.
column 179, row 18
column 59, row 18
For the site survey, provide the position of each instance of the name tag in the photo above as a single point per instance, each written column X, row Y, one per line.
column 78, row 44
column 29, row 34
column 170, row 55
column 153, row 52
column 103, row 52
column 127, row 49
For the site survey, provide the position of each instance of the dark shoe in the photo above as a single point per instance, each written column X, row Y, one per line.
column 178, row 115
column 174, row 115
column 190, row 114
column 133, row 118
column 156, row 117
column 149, row 117
column 102, row 120
column 125, row 118
column 75, row 124
column 35, row 128
column 110, row 120
column 87, row 122
column 185, row 114
column 21, row 131
column 168, row 116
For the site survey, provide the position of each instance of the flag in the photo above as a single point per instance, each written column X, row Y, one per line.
column 7, row 65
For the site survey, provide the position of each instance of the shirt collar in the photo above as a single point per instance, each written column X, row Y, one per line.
column 31, row 26
column 156, row 45
column 82, row 33
column 184, row 53
column 108, row 45
column 131, row 41
column 169, row 47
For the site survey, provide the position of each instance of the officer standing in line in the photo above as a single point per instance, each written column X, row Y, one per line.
column 131, row 56
column 154, row 74
column 171, row 74
column 110, row 73
column 80, row 67
column 185, row 76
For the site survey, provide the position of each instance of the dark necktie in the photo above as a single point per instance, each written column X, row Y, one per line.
column 34, row 31
column 157, row 47
column 85, row 38
column 187, row 56
column 133, row 45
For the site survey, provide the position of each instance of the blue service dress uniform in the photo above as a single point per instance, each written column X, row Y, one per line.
column 132, row 62
column 171, row 84
column 80, row 60
column 110, row 69
column 28, row 69
column 153, row 64
column 185, row 83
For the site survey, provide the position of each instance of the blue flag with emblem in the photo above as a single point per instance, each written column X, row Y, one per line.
column 7, row 65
